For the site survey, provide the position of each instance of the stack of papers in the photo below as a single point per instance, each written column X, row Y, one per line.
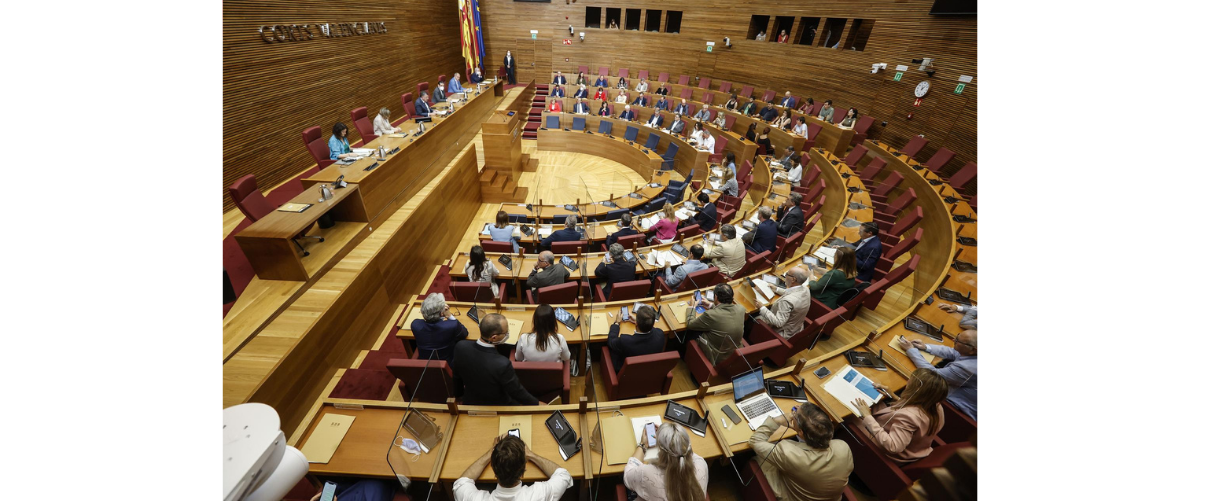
column 544, row 231
column 715, row 185
column 648, row 222
column 684, row 214
column 828, row 254
column 764, row 288
column 663, row 258
column 850, row 385
column 741, row 231
column 363, row 151
column 895, row 343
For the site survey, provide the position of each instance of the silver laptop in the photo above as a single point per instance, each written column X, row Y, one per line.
column 749, row 392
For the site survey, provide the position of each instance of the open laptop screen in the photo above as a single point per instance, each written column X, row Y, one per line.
column 747, row 384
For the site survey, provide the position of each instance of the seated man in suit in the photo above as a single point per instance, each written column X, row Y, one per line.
column 483, row 375
column 476, row 77
column 682, row 108
column 703, row 114
column 656, row 120
column 627, row 113
column 662, row 104
column 765, row 237
column 581, row 93
column 790, row 215
column 706, row 217
column 695, row 263
column 962, row 371
column 547, row 271
column 769, row 113
column 614, row 269
column 581, row 107
column 440, row 96
column 788, row 101
column 454, row 84
column 558, row 91
column 600, row 94
column 421, row 108
column 813, row 465
column 826, row 111
column 601, row 81
column 509, row 456
column 559, row 79
column 787, row 314
column 749, row 109
column 641, row 100
column 720, row 327
column 790, row 151
column 437, row 333
column 868, row 249
column 625, row 229
column 677, row 125
column 567, row 234
column 728, row 254
column 647, row 340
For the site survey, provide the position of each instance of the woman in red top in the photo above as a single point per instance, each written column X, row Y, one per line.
column 600, row 94
column 555, row 107
column 782, row 36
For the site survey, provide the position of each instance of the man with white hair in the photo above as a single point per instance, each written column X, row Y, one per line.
column 627, row 114
column 437, row 333
column 614, row 269
column 547, row 271
column 786, row 315
column 567, row 234
column 765, row 237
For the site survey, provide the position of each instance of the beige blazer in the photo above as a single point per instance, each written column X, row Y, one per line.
column 786, row 315
column 728, row 256
column 797, row 471
column 903, row 434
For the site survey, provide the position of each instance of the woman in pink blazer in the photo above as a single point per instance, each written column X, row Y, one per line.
column 905, row 429
column 667, row 228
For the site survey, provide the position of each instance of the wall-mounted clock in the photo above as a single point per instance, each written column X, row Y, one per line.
column 922, row 88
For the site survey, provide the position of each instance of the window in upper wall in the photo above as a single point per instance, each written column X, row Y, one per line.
column 673, row 21
column 781, row 24
column 633, row 20
column 859, row 34
column 758, row 26
column 652, row 20
column 809, row 28
column 831, row 35
column 613, row 16
column 594, row 17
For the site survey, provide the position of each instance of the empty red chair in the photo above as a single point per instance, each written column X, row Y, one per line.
column 816, row 324
column 476, row 292
column 631, row 241
column 602, row 71
column 643, row 75
column 623, row 72
column 565, row 293
column 583, row 69
column 422, row 86
column 408, row 104
column 721, row 142
column 839, row 114
column 437, row 382
column 810, row 176
column 247, row 197
column 736, row 363
column 705, row 83
column 813, row 209
column 891, row 236
column 574, row 247
column 753, row 264
column 728, row 121
column 860, row 130
column 686, row 93
column 768, row 96
column 855, row 155
column 689, row 231
column 312, row 138
column 895, row 276
column 364, row 384
column 958, row 427
column 895, row 251
column 872, row 169
column 964, row 175
column 698, row 280
column 359, row 117
column 879, row 195
column 663, row 77
column 914, row 146
column 683, row 79
column 709, row 98
column 492, row 246
column 624, row 291
column 747, row 91
column 725, row 87
column 938, row 160
column 543, row 380
column 887, row 215
column 640, row 376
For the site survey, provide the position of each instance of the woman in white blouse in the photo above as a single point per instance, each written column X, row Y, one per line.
column 796, row 171
column 381, row 125
column 676, row 474
column 480, row 269
column 696, row 134
column 622, row 98
column 801, row 128
column 544, row 344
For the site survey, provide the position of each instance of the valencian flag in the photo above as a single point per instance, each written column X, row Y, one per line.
column 472, row 46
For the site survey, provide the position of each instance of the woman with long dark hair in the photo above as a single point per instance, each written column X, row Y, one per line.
column 763, row 139
column 851, row 118
column 480, row 269
column 543, row 344
column 338, row 143
column 675, row 474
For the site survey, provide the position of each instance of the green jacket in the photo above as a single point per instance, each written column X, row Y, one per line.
column 831, row 286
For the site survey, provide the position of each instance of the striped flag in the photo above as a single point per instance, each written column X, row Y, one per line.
column 472, row 44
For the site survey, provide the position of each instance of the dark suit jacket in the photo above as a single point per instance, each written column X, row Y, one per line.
column 623, row 232
column 662, row 91
column 635, row 345
column 582, row 93
column 485, row 377
column 616, row 272
column 676, row 127
column 439, row 96
column 581, row 108
column 790, row 222
column 627, row 114
column 868, row 257
column 641, row 101
column 559, row 80
column 604, row 112
column 436, row 340
column 766, row 236
column 788, row 102
column 656, row 121
column 682, row 109
column 552, row 275
column 706, row 217
column 473, row 78
column 769, row 113
column 561, row 235
column 600, row 82
column 421, row 108
column 558, row 92
column 662, row 105
column 750, row 108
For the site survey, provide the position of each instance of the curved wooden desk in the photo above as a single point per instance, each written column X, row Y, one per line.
column 593, row 209
column 687, row 159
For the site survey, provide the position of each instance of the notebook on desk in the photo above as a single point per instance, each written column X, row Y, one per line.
column 292, row 207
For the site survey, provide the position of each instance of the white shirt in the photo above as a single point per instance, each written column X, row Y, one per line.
column 381, row 126
column 796, row 173
column 465, row 489
column 801, row 129
column 707, row 144
column 621, row 99
column 526, row 351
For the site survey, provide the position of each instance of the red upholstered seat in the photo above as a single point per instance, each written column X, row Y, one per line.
column 312, row 139
column 565, row 293
column 477, row 292
column 725, row 87
column 895, row 251
column 442, row 78
column 624, row 291
column 422, row 86
column 854, row 156
column 359, row 117
column 623, row 72
column 631, row 241
column 663, row 77
column 704, row 372
column 689, row 231
column 437, row 383
column 408, row 104
column 768, row 96
column 492, row 246
column 543, row 380
column 705, row 82
column 879, row 195
column 860, row 130
column 959, row 427
column 683, row 79
column 964, row 175
column 753, row 263
column 939, row 159
column 914, row 146
column 686, row 93
column 816, row 324
column 248, row 199
column 364, row 384
column 377, row 360
column 709, row 98
column 602, row 71
column 887, row 215
column 721, row 142
column 640, row 376
column 643, row 75
column 698, row 280
column 872, row 169
column 895, row 276
column 747, row 91
column 573, row 247
column 891, row 236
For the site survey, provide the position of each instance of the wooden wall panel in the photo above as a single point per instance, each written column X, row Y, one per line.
column 902, row 31
column 271, row 91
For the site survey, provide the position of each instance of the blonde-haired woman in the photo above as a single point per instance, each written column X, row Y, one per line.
column 905, row 430
column 667, row 228
column 719, row 121
column 676, row 474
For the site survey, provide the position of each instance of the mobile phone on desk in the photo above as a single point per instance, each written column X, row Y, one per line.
column 328, row 492
column 822, row 372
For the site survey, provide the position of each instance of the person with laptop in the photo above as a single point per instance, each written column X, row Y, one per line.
column 676, row 473
column 751, row 398
column 509, row 457
column 905, row 429
column 646, row 341
column 720, row 327
column 814, row 467
column 786, row 315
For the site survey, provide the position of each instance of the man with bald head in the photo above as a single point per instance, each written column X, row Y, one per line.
column 962, row 371
column 786, row 315
column 547, row 271
column 483, row 376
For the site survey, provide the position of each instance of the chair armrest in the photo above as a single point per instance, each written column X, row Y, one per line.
column 664, row 286
column 762, row 333
column 565, row 382
column 697, row 363
column 598, row 289
column 502, row 291
column 758, row 488
column 818, row 309
column 530, row 299
column 608, row 368
column 669, row 379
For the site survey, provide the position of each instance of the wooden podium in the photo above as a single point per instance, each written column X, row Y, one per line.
column 501, row 137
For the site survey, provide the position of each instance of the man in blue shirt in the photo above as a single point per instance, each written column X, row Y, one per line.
column 788, row 102
column 567, row 234
column 868, row 250
column 601, row 81
column 662, row 104
column 962, row 371
column 765, row 237
column 421, row 108
column 454, row 84
column 769, row 113
column 682, row 109
column 691, row 265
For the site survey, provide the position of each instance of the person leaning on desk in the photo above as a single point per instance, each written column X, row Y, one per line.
column 338, row 145
column 547, row 271
column 421, row 107
column 905, row 429
column 720, row 327
column 786, row 316
column 647, row 340
column 614, row 269
column 961, row 372
column 625, row 229
column 483, row 375
column 509, row 457
column 728, row 254
column 814, row 467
